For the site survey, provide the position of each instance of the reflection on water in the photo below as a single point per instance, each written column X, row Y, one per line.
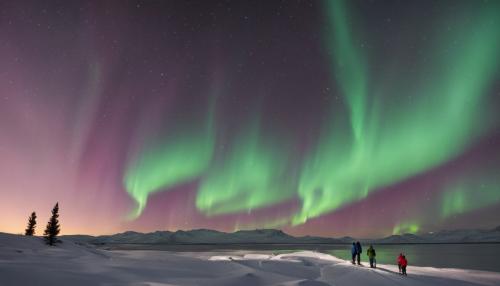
column 465, row 256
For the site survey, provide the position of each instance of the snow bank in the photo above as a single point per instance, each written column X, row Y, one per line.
column 28, row 261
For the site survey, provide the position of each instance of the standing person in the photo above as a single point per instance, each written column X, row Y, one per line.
column 399, row 261
column 354, row 252
column 404, row 263
column 371, row 256
column 359, row 250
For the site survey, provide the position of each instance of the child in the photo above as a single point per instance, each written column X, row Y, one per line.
column 400, row 257
column 404, row 263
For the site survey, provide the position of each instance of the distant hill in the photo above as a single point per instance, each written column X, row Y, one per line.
column 445, row 236
column 464, row 235
column 206, row 236
column 274, row 236
column 396, row 239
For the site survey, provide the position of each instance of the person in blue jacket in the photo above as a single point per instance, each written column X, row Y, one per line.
column 354, row 252
column 359, row 250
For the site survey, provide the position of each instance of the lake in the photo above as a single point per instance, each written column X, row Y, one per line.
column 465, row 256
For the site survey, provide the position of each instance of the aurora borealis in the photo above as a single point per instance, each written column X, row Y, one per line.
column 361, row 118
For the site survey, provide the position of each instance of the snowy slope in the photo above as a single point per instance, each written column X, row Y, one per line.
column 28, row 261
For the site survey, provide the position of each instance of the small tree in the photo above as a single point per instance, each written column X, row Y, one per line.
column 53, row 228
column 30, row 230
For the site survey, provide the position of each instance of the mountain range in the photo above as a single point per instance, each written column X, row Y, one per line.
column 275, row 236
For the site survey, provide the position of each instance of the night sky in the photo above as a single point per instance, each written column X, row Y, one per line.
column 361, row 118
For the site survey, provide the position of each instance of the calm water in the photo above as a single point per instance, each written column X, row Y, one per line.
column 466, row 256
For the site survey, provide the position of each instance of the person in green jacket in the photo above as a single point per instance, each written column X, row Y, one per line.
column 371, row 256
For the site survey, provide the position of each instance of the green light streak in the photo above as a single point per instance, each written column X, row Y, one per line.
column 466, row 196
column 406, row 227
column 349, row 65
column 410, row 127
column 253, row 175
column 175, row 160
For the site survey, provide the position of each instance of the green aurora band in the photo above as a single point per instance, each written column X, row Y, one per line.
column 176, row 160
column 405, row 138
column 383, row 135
column 468, row 195
column 253, row 175
column 406, row 227
column 349, row 64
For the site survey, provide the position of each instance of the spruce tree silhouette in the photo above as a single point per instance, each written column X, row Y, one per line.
column 53, row 228
column 30, row 230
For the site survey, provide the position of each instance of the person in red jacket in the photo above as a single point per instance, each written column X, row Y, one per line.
column 400, row 257
column 404, row 263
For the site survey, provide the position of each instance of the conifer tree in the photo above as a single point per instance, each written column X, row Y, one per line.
column 53, row 228
column 30, row 230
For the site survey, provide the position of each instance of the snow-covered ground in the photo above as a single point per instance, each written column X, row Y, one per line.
column 27, row 261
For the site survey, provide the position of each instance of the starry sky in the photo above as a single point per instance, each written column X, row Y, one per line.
column 331, row 118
